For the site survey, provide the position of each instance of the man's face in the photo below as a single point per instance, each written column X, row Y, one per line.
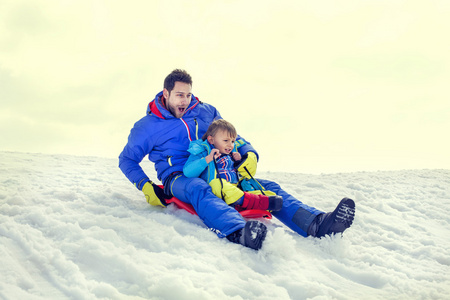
column 222, row 141
column 177, row 101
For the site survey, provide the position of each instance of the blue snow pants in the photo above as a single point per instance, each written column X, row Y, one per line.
column 213, row 211
column 294, row 214
column 224, row 219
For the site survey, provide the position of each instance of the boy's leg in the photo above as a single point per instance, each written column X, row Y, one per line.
column 233, row 195
column 222, row 188
column 294, row 214
column 214, row 212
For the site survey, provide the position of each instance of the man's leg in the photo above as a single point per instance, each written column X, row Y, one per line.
column 307, row 220
column 294, row 214
column 214, row 212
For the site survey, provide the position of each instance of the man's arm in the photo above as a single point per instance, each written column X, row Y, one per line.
column 248, row 164
column 129, row 163
column 138, row 146
column 244, row 147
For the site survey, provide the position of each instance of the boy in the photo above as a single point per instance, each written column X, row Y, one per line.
column 213, row 158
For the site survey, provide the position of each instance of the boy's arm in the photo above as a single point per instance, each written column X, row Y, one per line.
column 194, row 166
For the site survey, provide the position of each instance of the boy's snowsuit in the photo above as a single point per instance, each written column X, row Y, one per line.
column 196, row 166
column 165, row 139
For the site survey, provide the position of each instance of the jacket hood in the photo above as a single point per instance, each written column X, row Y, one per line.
column 198, row 146
column 157, row 107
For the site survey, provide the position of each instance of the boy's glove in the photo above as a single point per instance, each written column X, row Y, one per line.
column 248, row 165
column 154, row 194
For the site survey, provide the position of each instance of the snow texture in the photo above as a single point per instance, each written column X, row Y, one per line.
column 76, row 228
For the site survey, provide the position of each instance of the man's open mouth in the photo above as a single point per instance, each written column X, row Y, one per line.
column 181, row 109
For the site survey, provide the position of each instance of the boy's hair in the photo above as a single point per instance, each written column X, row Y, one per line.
column 176, row 75
column 217, row 125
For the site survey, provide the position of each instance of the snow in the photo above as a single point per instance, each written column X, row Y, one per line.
column 75, row 228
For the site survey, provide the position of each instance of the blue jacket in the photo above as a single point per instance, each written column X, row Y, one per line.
column 196, row 166
column 165, row 139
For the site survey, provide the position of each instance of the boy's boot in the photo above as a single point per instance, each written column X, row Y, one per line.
column 252, row 201
column 251, row 236
column 334, row 222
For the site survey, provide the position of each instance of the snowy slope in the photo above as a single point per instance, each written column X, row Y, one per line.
column 75, row 228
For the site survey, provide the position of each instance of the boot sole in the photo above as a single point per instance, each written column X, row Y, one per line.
column 254, row 234
column 344, row 215
column 340, row 219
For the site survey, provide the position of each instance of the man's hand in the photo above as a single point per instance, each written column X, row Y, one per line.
column 154, row 194
column 247, row 168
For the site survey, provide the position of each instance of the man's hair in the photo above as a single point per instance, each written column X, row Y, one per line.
column 220, row 124
column 176, row 75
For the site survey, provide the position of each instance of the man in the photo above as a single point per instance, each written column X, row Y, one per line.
column 175, row 118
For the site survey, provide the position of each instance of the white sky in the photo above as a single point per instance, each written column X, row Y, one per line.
column 315, row 86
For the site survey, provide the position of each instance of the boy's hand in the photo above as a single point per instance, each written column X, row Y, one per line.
column 236, row 156
column 215, row 153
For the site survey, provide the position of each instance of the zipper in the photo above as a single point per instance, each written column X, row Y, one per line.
column 195, row 120
column 187, row 128
column 169, row 160
column 196, row 128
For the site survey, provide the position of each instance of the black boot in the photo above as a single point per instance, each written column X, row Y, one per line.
column 275, row 203
column 334, row 222
column 251, row 236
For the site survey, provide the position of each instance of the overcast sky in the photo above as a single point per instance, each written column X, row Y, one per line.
column 315, row 86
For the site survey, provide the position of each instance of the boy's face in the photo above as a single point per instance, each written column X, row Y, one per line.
column 222, row 141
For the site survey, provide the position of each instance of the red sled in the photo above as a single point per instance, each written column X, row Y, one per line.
column 249, row 213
